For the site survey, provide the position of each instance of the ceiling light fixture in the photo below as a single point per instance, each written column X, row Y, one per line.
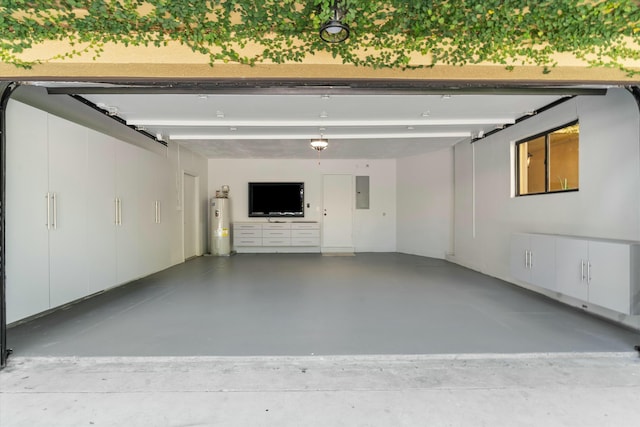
column 319, row 144
column 334, row 30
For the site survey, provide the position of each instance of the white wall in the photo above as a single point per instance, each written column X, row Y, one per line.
column 374, row 229
column 607, row 204
column 425, row 204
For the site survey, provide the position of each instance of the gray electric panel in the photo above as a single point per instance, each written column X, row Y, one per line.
column 362, row 192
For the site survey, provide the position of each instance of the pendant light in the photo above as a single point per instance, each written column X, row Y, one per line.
column 334, row 30
column 319, row 144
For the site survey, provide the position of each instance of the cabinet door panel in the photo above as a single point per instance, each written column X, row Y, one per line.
column 543, row 261
column 68, row 238
column 570, row 274
column 154, row 226
column 27, row 237
column 610, row 275
column 518, row 261
column 101, row 215
column 127, row 231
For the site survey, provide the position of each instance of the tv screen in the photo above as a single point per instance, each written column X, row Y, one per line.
column 276, row 199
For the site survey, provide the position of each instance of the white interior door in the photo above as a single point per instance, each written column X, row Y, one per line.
column 189, row 217
column 337, row 214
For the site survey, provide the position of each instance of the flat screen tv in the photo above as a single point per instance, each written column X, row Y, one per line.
column 276, row 199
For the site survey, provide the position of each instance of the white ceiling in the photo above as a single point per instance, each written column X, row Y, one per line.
column 281, row 125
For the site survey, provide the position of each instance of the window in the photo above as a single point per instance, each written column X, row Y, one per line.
column 548, row 162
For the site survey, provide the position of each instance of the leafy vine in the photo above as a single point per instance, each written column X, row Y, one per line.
column 384, row 34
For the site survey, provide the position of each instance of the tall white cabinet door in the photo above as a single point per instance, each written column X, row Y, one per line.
column 572, row 258
column 519, row 258
column 27, row 236
column 127, row 194
column 154, row 249
column 166, row 186
column 101, row 212
column 610, row 275
column 68, row 185
column 542, row 261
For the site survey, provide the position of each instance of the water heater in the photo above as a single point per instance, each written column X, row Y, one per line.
column 219, row 213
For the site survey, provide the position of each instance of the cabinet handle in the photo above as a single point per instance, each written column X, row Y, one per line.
column 526, row 259
column 48, row 198
column 588, row 272
column 530, row 260
column 115, row 203
column 582, row 270
column 55, row 211
column 119, row 211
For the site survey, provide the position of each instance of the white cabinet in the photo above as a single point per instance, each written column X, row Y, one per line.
column 101, row 212
column 571, row 269
column 247, row 234
column 599, row 272
column 610, row 274
column 533, row 259
column 127, row 241
column 27, row 235
column 46, row 211
column 153, row 224
column 305, row 234
column 68, row 190
column 275, row 235
column 602, row 272
column 74, row 212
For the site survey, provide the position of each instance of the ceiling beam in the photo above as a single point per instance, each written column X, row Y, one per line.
column 420, row 135
column 323, row 87
column 320, row 123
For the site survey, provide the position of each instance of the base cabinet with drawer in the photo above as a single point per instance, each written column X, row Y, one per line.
column 275, row 236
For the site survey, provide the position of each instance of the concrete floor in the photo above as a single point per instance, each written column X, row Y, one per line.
column 305, row 340
column 307, row 304
column 582, row 390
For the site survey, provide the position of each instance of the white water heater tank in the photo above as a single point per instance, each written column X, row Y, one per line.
column 220, row 239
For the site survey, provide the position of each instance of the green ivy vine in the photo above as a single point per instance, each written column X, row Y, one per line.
column 384, row 34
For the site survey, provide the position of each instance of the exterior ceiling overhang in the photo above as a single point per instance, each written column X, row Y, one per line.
column 176, row 62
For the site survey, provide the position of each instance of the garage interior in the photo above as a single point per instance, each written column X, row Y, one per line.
column 405, row 284
column 242, row 130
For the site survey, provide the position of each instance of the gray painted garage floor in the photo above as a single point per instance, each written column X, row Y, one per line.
column 307, row 304
column 305, row 340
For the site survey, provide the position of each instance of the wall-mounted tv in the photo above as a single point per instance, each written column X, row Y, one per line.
column 276, row 199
